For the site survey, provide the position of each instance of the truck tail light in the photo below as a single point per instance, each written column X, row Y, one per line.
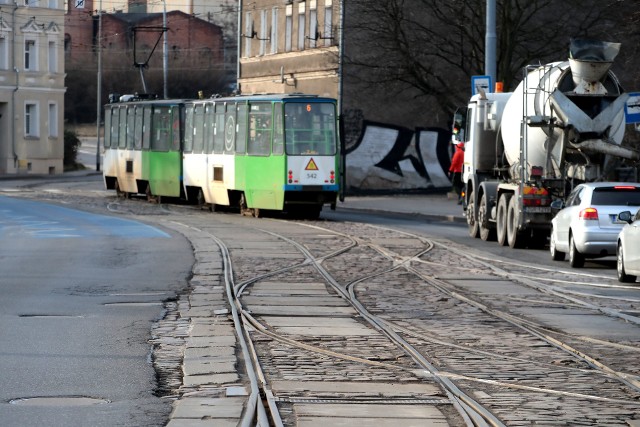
column 535, row 196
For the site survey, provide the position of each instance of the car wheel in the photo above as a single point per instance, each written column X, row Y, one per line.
column 556, row 255
column 576, row 259
column 622, row 275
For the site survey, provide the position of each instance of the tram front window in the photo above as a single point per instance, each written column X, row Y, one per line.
column 310, row 128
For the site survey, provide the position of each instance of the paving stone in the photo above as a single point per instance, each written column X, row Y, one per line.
column 365, row 410
column 195, row 380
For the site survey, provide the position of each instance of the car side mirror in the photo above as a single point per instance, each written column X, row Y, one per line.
column 557, row 204
column 625, row 216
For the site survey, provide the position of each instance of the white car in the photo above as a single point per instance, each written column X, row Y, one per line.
column 588, row 225
column 628, row 252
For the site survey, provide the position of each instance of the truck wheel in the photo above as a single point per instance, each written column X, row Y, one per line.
column 501, row 219
column 515, row 238
column 487, row 233
column 576, row 259
column 472, row 221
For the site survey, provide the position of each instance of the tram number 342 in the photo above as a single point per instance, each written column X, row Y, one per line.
column 312, row 175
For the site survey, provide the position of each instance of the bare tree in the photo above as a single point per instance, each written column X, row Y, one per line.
column 429, row 49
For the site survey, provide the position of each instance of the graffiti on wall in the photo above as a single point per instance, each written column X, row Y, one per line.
column 392, row 158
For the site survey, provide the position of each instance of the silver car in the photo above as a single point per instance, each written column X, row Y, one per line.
column 588, row 225
column 629, row 247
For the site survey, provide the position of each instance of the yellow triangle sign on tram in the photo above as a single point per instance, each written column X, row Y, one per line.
column 311, row 166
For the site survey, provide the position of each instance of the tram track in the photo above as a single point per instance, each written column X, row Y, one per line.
column 537, row 331
column 413, row 262
column 410, row 289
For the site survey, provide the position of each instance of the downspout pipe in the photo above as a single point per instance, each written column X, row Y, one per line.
column 13, row 95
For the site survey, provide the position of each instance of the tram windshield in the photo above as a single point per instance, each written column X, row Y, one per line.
column 310, row 128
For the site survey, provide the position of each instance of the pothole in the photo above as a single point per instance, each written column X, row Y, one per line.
column 66, row 316
column 58, row 401
column 133, row 304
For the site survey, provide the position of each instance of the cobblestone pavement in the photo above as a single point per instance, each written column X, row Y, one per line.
column 309, row 289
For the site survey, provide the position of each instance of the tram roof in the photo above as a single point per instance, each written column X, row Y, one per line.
column 268, row 97
column 261, row 97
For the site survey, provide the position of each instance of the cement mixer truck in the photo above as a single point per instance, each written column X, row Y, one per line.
column 524, row 149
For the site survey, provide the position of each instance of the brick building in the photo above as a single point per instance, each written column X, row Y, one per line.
column 223, row 13
column 190, row 39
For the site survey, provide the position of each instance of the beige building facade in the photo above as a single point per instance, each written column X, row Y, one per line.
column 31, row 86
column 289, row 46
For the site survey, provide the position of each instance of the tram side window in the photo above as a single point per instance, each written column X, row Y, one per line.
column 161, row 129
column 209, row 127
column 241, row 128
column 137, row 135
column 175, row 128
column 278, row 135
column 146, row 129
column 230, row 128
column 122, row 137
column 218, row 138
column 310, row 128
column 260, row 129
column 131, row 126
column 115, row 127
column 188, row 129
column 106, row 141
column 198, row 129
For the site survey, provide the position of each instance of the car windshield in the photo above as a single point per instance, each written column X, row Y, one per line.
column 619, row 195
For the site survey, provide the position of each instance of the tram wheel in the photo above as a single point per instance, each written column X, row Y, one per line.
column 244, row 210
column 200, row 199
column 119, row 193
column 150, row 196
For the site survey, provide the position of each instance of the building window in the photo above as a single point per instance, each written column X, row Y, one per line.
column 4, row 50
column 301, row 25
column 53, row 58
column 328, row 23
column 274, row 30
column 53, row 4
column 313, row 24
column 30, row 55
column 31, row 123
column 288, row 30
column 53, row 120
column 263, row 32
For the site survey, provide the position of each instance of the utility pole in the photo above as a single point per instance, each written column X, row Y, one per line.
column 490, row 43
column 99, row 94
column 165, row 50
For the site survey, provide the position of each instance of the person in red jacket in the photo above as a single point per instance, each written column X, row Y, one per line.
column 455, row 170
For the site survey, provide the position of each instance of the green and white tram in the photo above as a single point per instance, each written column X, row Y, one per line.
column 262, row 152
column 143, row 147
